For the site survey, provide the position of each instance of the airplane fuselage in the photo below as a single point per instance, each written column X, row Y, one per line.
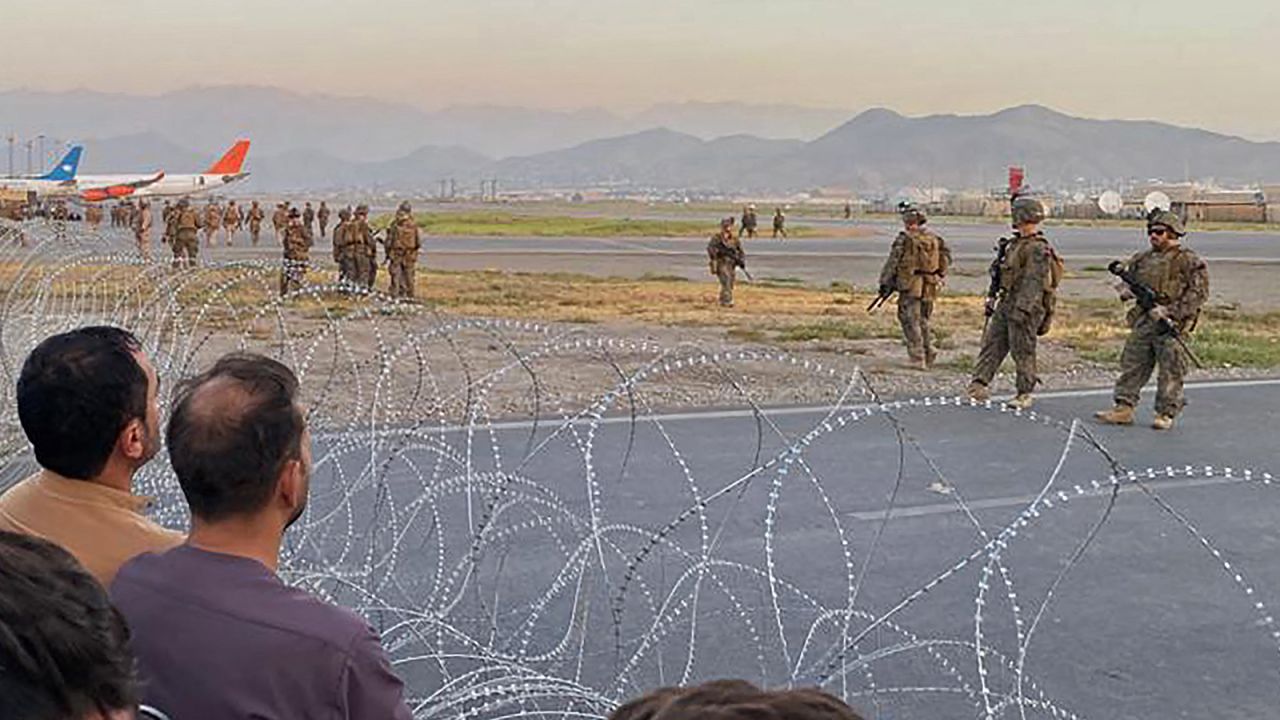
column 167, row 186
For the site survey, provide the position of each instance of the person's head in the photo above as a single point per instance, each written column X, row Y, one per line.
column 238, row 442
column 734, row 700
column 253, row 203
column 1027, row 213
column 87, row 402
column 913, row 218
column 63, row 648
column 1164, row 229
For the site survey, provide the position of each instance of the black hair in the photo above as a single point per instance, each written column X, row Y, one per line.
column 63, row 646
column 231, row 431
column 76, row 392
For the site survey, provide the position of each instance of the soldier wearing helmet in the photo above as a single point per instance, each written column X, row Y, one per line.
column 343, row 249
column 297, row 251
column 186, row 244
column 916, row 269
column 1028, row 270
column 725, row 255
column 1180, row 280
column 749, row 221
column 403, row 242
column 362, row 248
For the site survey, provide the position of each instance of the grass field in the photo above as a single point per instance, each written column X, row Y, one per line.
column 507, row 224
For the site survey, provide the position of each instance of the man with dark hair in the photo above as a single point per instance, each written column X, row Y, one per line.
column 216, row 632
column 63, row 647
column 87, row 403
column 734, row 700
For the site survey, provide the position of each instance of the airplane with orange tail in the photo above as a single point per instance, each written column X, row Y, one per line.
column 227, row 170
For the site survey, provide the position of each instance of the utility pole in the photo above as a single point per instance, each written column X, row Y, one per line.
column 11, row 141
column 40, row 139
column 29, row 144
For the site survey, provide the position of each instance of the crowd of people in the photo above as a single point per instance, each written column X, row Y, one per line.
column 103, row 611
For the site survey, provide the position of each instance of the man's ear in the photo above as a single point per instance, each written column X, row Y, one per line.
column 132, row 442
column 291, row 486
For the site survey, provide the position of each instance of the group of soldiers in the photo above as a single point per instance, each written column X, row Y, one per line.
column 750, row 222
column 1168, row 282
column 355, row 247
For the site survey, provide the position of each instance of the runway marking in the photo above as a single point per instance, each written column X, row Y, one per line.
column 698, row 415
column 946, row 508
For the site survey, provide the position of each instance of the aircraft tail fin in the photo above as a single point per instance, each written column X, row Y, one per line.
column 230, row 163
column 66, row 167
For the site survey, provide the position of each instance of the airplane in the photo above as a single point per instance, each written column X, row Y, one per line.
column 95, row 188
column 61, row 180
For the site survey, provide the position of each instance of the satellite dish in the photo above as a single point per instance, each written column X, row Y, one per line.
column 1077, row 198
column 1156, row 200
column 1110, row 202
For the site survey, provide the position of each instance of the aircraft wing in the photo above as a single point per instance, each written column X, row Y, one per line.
column 120, row 189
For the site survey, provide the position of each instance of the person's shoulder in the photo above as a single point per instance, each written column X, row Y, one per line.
column 334, row 625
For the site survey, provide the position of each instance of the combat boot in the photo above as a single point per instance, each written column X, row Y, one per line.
column 929, row 358
column 1021, row 401
column 979, row 392
column 1121, row 414
column 918, row 363
column 1162, row 422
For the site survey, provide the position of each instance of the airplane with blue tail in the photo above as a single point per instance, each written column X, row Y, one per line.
column 61, row 180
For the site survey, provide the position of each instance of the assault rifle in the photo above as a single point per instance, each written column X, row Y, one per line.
column 886, row 292
column 1146, row 299
column 739, row 257
column 993, row 289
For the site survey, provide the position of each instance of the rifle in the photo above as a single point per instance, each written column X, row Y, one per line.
column 993, row 289
column 1146, row 299
column 880, row 300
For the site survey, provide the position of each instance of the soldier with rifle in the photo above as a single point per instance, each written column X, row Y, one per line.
column 1020, row 304
column 725, row 255
column 1169, row 284
column 916, row 270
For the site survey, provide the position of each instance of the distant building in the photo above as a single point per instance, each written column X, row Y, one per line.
column 1271, row 194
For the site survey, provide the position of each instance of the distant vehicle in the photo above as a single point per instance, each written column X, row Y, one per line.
column 61, row 180
column 227, row 170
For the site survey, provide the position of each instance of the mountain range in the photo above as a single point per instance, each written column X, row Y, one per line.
column 324, row 142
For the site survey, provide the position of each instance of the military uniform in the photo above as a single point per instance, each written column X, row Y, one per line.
column 364, row 251
column 279, row 219
column 255, row 217
column 916, row 268
column 1180, row 280
column 343, row 253
column 724, row 253
column 212, row 221
column 323, row 216
column 142, row 230
column 309, row 220
column 186, row 244
column 231, row 221
column 779, row 224
column 749, row 222
column 297, row 251
column 403, row 243
column 1024, row 307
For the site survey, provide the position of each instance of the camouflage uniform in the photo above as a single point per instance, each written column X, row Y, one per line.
column 779, row 224
column 323, row 216
column 186, row 244
column 916, row 268
column 309, row 220
column 255, row 217
column 749, row 222
column 142, row 230
column 1024, row 310
column 724, row 253
column 297, row 250
column 279, row 219
column 364, row 251
column 343, row 250
column 231, row 221
column 212, row 221
column 1180, row 280
column 403, row 242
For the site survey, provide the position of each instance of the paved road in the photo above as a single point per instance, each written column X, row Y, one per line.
column 1147, row 622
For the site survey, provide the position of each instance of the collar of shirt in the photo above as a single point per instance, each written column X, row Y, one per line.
column 91, row 493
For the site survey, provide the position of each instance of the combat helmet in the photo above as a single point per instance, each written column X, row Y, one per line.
column 912, row 215
column 362, row 209
column 344, row 214
column 1166, row 218
column 405, row 207
column 1027, row 210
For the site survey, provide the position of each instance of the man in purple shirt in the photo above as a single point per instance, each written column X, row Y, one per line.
column 216, row 633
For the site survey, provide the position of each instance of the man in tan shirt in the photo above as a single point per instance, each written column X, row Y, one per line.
column 87, row 403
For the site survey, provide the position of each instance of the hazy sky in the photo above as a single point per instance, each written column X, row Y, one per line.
column 1209, row 64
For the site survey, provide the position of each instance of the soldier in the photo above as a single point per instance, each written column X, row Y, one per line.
column 749, row 221
column 323, row 216
column 93, row 216
column 848, row 210
column 1022, row 310
column 309, row 220
column 279, row 219
column 186, row 243
column 725, row 255
column 231, row 221
column 363, row 248
column 297, row 249
column 1180, row 280
column 779, row 224
column 142, row 229
column 255, row 216
column 403, row 243
column 916, row 269
column 343, row 250
column 212, row 221
column 167, row 217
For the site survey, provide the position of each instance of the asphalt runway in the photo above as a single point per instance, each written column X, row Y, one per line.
column 617, row 555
